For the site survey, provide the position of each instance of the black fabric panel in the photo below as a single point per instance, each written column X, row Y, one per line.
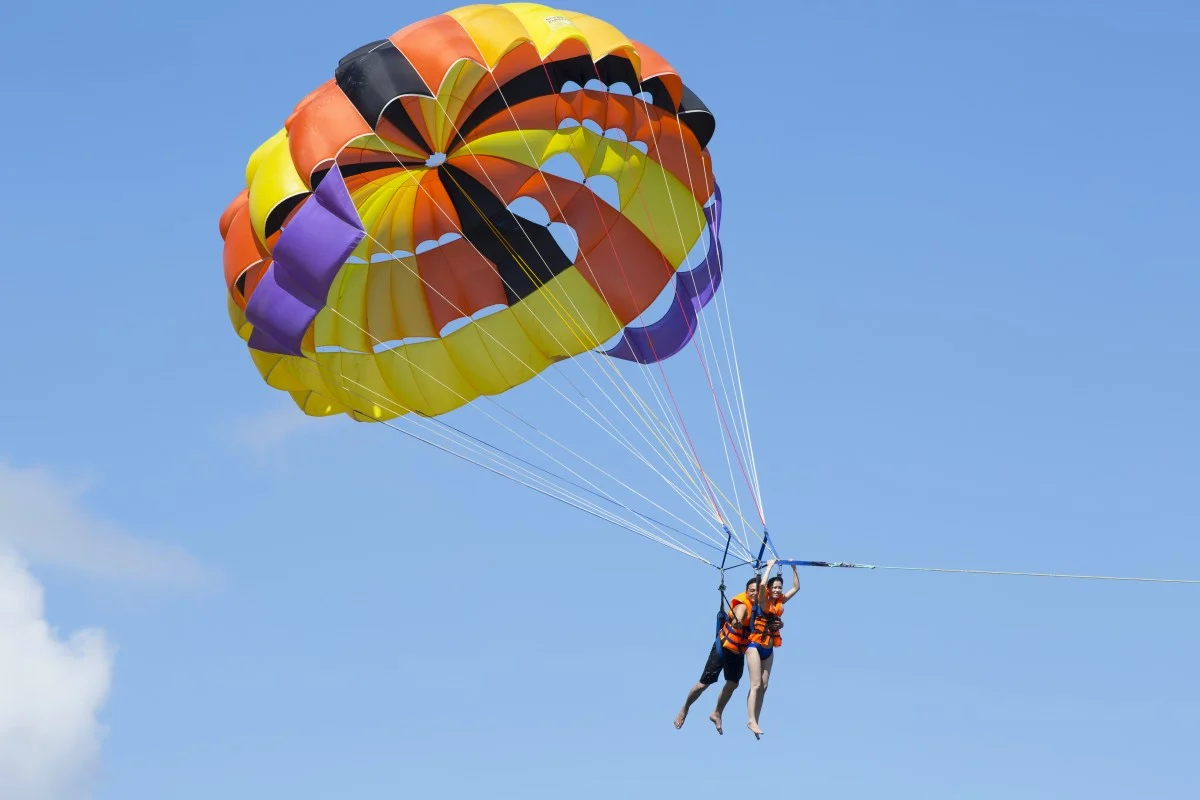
column 531, row 243
column 658, row 91
column 616, row 69
column 548, row 79
column 360, row 169
column 280, row 213
column 372, row 77
column 694, row 114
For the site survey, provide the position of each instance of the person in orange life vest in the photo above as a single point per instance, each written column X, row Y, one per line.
column 729, row 658
column 764, row 638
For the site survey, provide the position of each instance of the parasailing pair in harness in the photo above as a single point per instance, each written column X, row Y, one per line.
column 747, row 635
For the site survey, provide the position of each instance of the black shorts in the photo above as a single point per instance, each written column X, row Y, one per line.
column 722, row 660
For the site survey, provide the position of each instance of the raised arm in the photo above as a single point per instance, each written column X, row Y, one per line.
column 795, row 585
column 761, row 600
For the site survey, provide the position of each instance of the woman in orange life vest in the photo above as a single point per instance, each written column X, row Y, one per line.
column 764, row 638
column 730, row 658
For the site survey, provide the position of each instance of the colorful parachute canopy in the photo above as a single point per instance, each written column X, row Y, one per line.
column 482, row 194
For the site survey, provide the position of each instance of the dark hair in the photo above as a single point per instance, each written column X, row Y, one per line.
column 753, row 580
column 778, row 578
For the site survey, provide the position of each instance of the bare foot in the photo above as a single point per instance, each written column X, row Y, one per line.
column 757, row 731
column 716, row 720
column 679, row 718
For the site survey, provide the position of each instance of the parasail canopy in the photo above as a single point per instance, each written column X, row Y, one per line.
column 482, row 195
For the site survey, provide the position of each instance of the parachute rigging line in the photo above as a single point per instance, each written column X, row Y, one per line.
column 564, row 497
column 524, row 266
column 566, row 318
column 595, row 201
column 842, row 564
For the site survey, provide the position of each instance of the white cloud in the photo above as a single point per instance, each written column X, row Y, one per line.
column 41, row 518
column 51, row 691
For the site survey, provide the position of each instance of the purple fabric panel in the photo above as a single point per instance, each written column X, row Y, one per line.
column 310, row 251
column 693, row 290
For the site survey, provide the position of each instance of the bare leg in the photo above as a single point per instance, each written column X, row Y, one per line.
column 753, row 703
column 692, row 696
column 766, row 679
column 722, row 699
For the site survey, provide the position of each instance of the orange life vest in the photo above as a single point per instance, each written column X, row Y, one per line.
column 734, row 635
column 768, row 618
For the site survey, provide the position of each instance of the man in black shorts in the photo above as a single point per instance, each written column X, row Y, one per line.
column 728, row 656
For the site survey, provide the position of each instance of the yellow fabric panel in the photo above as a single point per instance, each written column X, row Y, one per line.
column 267, row 364
column 603, row 38
column 275, row 370
column 347, row 309
column 653, row 199
column 274, row 180
column 625, row 164
column 469, row 350
column 372, row 199
column 509, row 347
column 566, row 316
column 440, row 112
column 467, row 79
column 396, row 307
column 260, row 154
column 237, row 317
column 387, row 216
column 488, row 356
column 315, row 405
column 547, row 27
column 397, row 374
column 494, row 29
column 354, row 380
column 296, row 374
column 371, row 141
column 664, row 209
column 437, row 379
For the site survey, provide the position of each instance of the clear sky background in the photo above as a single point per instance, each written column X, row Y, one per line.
column 963, row 266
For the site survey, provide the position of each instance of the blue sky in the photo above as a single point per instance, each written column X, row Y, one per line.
column 963, row 272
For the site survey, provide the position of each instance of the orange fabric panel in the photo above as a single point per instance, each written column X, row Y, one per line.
column 241, row 251
column 459, row 281
column 618, row 113
column 521, row 58
column 320, row 126
column 540, row 113
column 655, row 66
column 255, row 274
column 616, row 258
column 433, row 213
column 567, row 49
column 235, row 205
column 434, row 216
column 589, row 104
column 692, row 169
column 432, row 45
